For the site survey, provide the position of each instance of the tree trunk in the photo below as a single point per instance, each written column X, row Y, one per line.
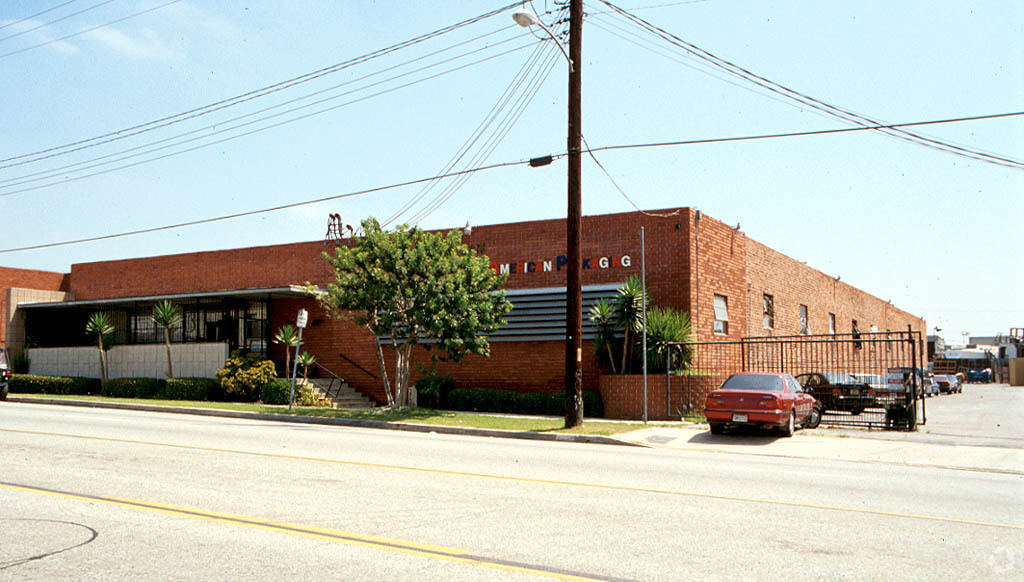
column 103, row 366
column 167, row 342
column 625, row 352
column 287, row 363
column 611, row 356
column 383, row 370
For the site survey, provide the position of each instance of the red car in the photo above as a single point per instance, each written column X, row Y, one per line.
column 764, row 400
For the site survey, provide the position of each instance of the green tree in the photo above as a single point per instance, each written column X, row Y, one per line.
column 100, row 324
column 167, row 315
column 288, row 336
column 602, row 313
column 666, row 326
column 411, row 287
column 628, row 307
column 305, row 360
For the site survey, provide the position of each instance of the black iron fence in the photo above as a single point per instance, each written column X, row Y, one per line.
column 871, row 380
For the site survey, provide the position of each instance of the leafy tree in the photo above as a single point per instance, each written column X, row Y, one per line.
column 100, row 324
column 411, row 287
column 289, row 337
column 602, row 313
column 665, row 326
column 628, row 309
column 305, row 359
column 167, row 315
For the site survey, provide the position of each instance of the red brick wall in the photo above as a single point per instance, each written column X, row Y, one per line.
column 25, row 279
column 721, row 258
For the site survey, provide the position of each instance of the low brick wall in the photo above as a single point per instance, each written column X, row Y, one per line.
column 667, row 398
column 139, row 361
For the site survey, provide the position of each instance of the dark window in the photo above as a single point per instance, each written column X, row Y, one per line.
column 769, row 311
column 805, row 326
column 856, row 334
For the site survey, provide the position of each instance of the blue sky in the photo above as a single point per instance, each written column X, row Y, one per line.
column 937, row 234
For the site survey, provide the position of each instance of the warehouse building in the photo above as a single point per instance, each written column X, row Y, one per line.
column 732, row 286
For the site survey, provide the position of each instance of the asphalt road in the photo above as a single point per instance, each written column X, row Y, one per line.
column 90, row 494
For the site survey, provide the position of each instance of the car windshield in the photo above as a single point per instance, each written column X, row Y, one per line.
column 838, row 378
column 3, row 358
column 754, row 382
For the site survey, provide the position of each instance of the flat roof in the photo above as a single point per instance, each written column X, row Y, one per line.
column 259, row 293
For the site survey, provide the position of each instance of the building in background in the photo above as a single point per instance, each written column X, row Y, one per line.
column 731, row 285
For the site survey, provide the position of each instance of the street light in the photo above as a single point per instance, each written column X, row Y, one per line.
column 574, row 218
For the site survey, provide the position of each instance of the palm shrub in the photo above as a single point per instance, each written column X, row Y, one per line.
column 243, row 376
column 666, row 326
column 602, row 313
column 305, row 359
column 99, row 323
column 167, row 315
column 289, row 337
column 628, row 307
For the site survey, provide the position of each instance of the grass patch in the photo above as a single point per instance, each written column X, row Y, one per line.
column 422, row 416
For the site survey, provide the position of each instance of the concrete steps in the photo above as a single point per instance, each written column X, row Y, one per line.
column 343, row 397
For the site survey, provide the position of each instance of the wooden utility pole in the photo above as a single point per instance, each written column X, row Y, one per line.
column 574, row 291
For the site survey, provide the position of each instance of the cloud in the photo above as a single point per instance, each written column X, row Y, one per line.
column 36, row 37
column 146, row 44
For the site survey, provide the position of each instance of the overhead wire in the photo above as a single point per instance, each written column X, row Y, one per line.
column 835, row 111
column 56, row 20
column 40, row 13
column 494, row 166
column 532, row 75
column 212, row 130
column 91, row 29
column 273, row 88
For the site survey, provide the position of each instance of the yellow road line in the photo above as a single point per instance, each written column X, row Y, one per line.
column 349, row 538
column 512, row 478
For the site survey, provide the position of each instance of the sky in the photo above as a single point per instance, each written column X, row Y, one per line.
column 937, row 234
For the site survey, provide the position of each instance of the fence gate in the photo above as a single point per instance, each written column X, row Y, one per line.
column 870, row 380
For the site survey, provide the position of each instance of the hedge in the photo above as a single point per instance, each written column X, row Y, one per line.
column 33, row 384
column 276, row 392
column 134, row 388
column 507, row 401
column 193, row 389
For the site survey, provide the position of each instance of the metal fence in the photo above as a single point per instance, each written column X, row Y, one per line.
column 869, row 380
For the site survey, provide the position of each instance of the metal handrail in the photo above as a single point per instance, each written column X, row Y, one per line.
column 330, row 387
column 361, row 369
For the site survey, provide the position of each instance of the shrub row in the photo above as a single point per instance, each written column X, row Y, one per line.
column 278, row 391
column 33, row 384
column 507, row 401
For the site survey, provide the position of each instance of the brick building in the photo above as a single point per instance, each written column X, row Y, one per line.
column 732, row 286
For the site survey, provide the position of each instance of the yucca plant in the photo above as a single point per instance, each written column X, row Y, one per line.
column 167, row 315
column 628, row 308
column 305, row 359
column 288, row 336
column 666, row 326
column 100, row 324
column 602, row 313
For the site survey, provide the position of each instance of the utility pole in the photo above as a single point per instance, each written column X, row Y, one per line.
column 574, row 220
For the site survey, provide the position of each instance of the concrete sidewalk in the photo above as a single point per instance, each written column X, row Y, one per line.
column 908, row 449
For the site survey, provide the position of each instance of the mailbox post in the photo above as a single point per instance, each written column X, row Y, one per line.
column 300, row 323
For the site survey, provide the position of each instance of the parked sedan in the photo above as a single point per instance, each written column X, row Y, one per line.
column 948, row 383
column 838, row 391
column 5, row 373
column 765, row 400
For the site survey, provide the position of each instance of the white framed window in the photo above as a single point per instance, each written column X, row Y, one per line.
column 805, row 325
column 721, row 314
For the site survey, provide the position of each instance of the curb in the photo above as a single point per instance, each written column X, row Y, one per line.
column 349, row 422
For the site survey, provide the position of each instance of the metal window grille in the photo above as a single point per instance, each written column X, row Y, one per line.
column 769, row 311
column 805, row 327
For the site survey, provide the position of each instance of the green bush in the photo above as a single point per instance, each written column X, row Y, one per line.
column 134, row 388
column 34, row 384
column 432, row 391
column 192, row 389
column 276, row 392
column 507, row 401
column 243, row 376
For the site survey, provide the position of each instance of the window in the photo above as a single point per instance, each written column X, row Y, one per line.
column 769, row 311
column 832, row 323
column 856, row 334
column 805, row 326
column 721, row 314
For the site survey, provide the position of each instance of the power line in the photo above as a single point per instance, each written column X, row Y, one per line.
column 835, row 111
column 501, row 165
column 80, row 32
column 20, row 20
column 262, row 211
column 281, row 85
column 45, row 24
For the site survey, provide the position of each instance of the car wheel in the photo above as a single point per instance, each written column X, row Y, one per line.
column 815, row 418
column 3, row 392
column 717, row 428
column 790, row 427
column 856, row 410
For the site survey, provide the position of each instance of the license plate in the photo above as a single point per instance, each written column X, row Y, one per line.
column 739, row 418
column 854, row 392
